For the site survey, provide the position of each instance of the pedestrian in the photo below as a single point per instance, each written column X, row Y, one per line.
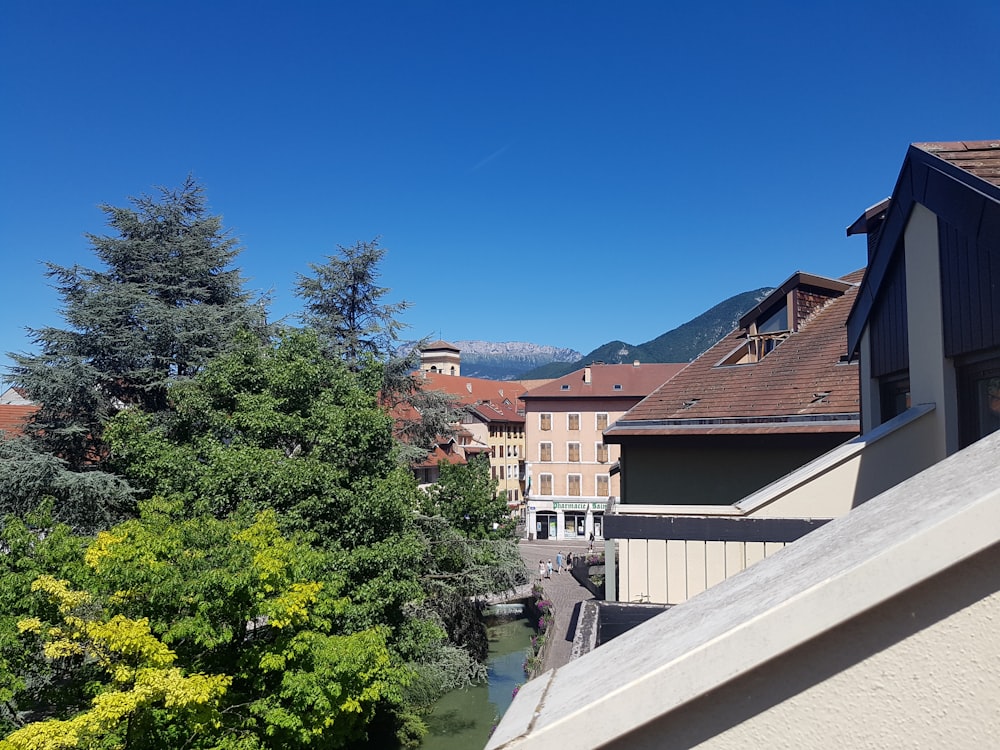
column 591, row 547
column 541, row 569
column 569, row 561
column 549, row 572
column 559, row 562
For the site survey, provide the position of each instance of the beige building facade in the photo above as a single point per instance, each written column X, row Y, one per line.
column 571, row 471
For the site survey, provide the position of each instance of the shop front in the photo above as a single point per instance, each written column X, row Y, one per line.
column 564, row 519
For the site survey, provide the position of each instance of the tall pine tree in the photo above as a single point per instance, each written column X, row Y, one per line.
column 344, row 303
column 345, row 307
column 164, row 302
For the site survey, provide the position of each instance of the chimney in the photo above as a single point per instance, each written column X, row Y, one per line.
column 468, row 387
column 635, row 363
column 586, row 375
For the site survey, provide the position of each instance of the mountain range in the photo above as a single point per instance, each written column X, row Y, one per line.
column 514, row 360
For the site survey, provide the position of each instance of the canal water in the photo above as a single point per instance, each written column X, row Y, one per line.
column 463, row 719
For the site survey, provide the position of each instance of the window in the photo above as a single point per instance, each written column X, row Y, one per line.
column 545, row 451
column 775, row 322
column 602, row 422
column 573, row 452
column 545, row 484
column 573, row 485
column 502, row 473
column 602, row 453
column 978, row 400
column 545, row 421
column 603, row 485
column 894, row 397
column 573, row 421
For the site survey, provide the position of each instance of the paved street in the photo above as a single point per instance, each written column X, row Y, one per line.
column 562, row 590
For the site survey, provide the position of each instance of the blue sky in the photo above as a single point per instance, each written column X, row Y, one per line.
column 565, row 173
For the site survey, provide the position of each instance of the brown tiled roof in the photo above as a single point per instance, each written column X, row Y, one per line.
column 981, row 158
column 803, row 382
column 13, row 418
column 635, row 380
column 447, row 451
column 473, row 391
column 439, row 344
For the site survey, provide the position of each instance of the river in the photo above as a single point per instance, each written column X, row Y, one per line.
column 463, row 719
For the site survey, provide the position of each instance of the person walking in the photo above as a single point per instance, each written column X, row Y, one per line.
column 541, row 569
column 559, row 562
column 549, row 573
column 591, row 547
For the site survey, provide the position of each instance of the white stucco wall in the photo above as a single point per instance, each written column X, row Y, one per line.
column 920, row 671
column 932, row 376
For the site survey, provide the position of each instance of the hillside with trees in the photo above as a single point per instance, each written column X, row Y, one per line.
column 212, row 536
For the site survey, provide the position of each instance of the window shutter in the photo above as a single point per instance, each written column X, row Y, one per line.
column 545, row 452
column 574, row 485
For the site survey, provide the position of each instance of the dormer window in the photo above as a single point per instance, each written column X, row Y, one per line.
column 776, row 322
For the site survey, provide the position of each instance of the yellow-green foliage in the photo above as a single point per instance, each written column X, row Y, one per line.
column 139, row 665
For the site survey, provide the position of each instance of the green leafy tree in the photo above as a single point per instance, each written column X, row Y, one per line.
column 34, row 547
column 200, row 632
column 278, row 427
column 164, row 301
column 466, row 495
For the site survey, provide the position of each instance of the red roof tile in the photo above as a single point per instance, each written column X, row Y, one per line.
column 491, row 399
column 635, row 380
column 803, row 381
column 13, row 418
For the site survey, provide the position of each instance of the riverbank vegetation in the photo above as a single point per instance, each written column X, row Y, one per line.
column 212, row 538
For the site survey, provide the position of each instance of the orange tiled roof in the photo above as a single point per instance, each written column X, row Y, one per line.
column 981, row 158
column 447, row 451
column 800, row 383
column 13, row 418
column 608, row 381
column 487, row 397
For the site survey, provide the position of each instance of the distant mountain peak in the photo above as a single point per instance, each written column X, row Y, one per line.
column 682, row 344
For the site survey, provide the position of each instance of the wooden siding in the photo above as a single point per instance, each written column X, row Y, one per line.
column 890, row 350
column 970, row 275
column 671, row 571
column 669, row 559
column 806, row 303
